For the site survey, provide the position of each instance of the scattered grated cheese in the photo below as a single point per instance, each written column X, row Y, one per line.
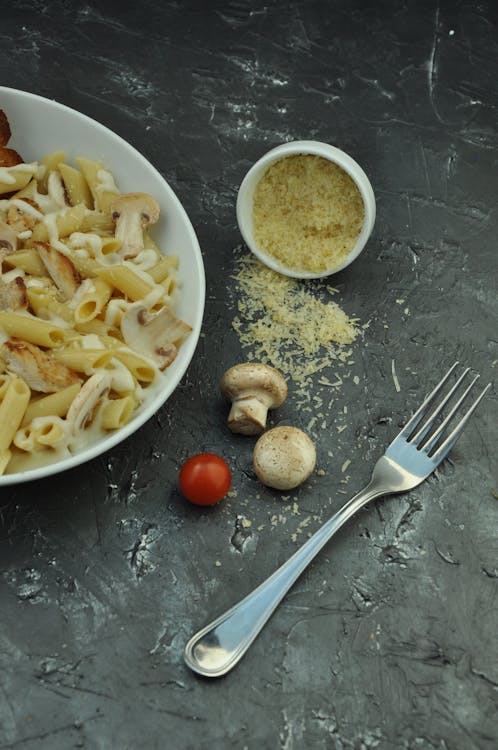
column 293, row 325
column 345, row 466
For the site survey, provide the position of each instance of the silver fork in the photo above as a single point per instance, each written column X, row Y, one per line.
column 412, row 456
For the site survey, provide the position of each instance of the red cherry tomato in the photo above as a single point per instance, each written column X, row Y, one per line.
column 204, row 479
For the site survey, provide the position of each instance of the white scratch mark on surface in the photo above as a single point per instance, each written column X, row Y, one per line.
column 426, row 170
column 375, row 83
column 432, row 67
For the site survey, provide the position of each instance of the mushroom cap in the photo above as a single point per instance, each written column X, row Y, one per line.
column 284, row 457
column 82, row 408
column 140, row 203
column 248, row 377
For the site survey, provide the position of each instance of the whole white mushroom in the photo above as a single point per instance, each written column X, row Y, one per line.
column 284, row 457
column 253, row 388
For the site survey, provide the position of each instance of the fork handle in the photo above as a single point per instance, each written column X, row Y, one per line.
column 214, row 650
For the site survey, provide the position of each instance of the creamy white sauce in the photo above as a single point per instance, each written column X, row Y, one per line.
column 106, row 182
column 8, row 174
column 29, row 461
column 121, row 378
column 87, row 244
column 145, row 259
column 91, row 341
column 114, row 311
column 86, row 287
column 14, row 273
column 26, row 208
column 38, row 283
column 152, row 297
column 50, row 221
column 86, row 240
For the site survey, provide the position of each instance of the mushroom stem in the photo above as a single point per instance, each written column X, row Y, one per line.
column 132, row 213
column 248, row 414
column 130, row 233
column 253, row 388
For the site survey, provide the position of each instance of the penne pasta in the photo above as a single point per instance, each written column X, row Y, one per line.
column 60, row 224
column 50, row 432
column 141, row 369
column 29, row 328
column 83, row 360
column 45, row 305
column 169, row 284
column 87, row 267
column 26, row 260
column 93, row 302
column 25, row 439
column 100, row 182
column 12, row 407
column 16, row 178
column 109, row 335
column 163, row 268
column 77, row 285
column 29, row 191
column 5, row 457
column 96, row 221
column 76, row 186
column 124, row 279
column 117, row 412
column 55, row 404
column 51, row 163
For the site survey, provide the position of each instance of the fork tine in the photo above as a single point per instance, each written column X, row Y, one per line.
column 429, row 421
column 431, row 442
column 444, row 448
column 415, row 420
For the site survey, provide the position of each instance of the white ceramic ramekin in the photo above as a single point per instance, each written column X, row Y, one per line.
column 245, row 200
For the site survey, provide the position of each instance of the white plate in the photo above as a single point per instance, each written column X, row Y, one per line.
column 40, row 126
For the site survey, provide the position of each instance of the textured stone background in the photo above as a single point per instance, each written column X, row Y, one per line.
column 389, row 640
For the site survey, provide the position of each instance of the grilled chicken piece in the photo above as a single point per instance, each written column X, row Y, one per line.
column 9, row 157
column 4, row 129
column 60, row 268
column 37, row 368
column 13, row 295
column 20, row 220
